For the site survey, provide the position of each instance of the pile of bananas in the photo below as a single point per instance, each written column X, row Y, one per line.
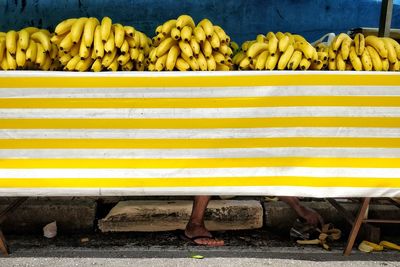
column 28, row 49
column 86, row 44
column 363, row 53
column 181, row 45
column 276, row 51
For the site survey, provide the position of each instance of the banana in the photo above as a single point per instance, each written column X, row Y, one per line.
column 307, row 49
column 321, row 47
column 43, row 39
column 4, row 64
column 234, row 46
column 131, row 41
column 84, row 65
column 331, row 54
column 285, row 57
column 158, row 29
column 291, row 38
column 96, row 66
column 336, row 43
column 207, row 27
column 261, row 60
column 239, row 57
column 77, row 29
column 182, row 65
column 128, row 66
column 195, row 47
column 109, row 46
column 194, row 65
column 160, row 63
column 186, row 49
column 84, row 52
column 395, row 66
column 385, row 64
column 206, row 48
column 113, row 66
column 215, row 42
column 298, row 38
column 2, row 48
column 376, row 60
column 119, row 34
column 20, row 56
column 211, row 64
column 201, row 59
column 305, row 64
column 284, row 43
column 123, row 59
column 186, row 33
column 57, row 39
column 40, row 54
column 272, row 43
column 124, row 48
column 365, row 248
column 66, row 44
column 323, row 56
column 134, row 53
column 396, row 46
column 152, row 55
column 11, row 42
column 108, row 58
column 219, row 58
column 65, row 58
column 377, row 44
column 359, row 42
column 295, row 59
column 345, row 49
column 225, row 50
column 140, row 58
column 75, row 49
column 105, row 27
column 142, row 41
column 221, row 34
column 98, row 43
column 199, row 34
column 279, row 35
column 139, row 66
column 31, row 52
column 389, row 245
column 47, row 63
column 272, row 60
column 222, row 67
column 261, row 38
column 64, row 26
column 165, row 46
column 184, row 20
column 88, row 31
column 129, row 31
column 257, row 48
column 316, row 66
column 392, row 56
column 176, row 34
column 340, row 63
column 244, row 64
column 23, row 39
column 355, row 60
column 156, row 39
column 172, row 56
column 167, row 26
column 366, row 60
column 151, row 67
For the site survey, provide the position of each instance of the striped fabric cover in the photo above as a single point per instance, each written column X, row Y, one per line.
column 315, row 134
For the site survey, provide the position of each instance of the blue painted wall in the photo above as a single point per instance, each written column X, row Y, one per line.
column 242, row 19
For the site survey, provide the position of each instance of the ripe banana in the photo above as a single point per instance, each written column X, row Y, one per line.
column 272, row 61
column 340, row 63
column 98, row 43
column 307, row 49
column 284, row 43
column 108, row 58
column 66, row 44
column 184, row 20
column 64, row 26
column 72, row 63
column 84, row 65
column 176, row 34
column 88, row 31
column 221, row 34
column 355, row 60
column 84, row 52
column 106, row 24
column 285, row 57
column 165, row 46
column 2, row 48
column 129, row 31
column 207, row 27
column 385, row 64
column 134, row 53
column 65, row 59
column 96, row 66
column 11, row 42
column 261, row 60
column 128, row 66
column 195, row 47
column 43, row 39
column 77, row 29
column 392, row 56
column 194, row 65
column 211, row 64
column 201, row 59
column 31, row 52
column 219, row 58
column 305, row 64
column 395, row 66
column 124, row 48
column 113, row 66
column 20, row 56
column 396, row 46
column 123, row 59
column 256, row 49
column 336, row 43
column 295, row 59
column 160, row 63
column 376, row 60
column 158, row 30
column 119, row 35
column 185, row 49
column 23, row 39
column 206, row 48
column 272, row 43
column 366, row 60
column 186, row 33
column 389, row 245
column 359, row 42
column 109, row 46
column 167, row 26
column 345, row 49
column 199, row 34
column 182, row 65
column 377, row 44
column 172, row 57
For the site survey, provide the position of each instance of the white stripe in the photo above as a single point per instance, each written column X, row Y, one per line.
column 197, row 92
column 200, row 133
column 181, row 113
column 300, row 191
column 201, row 172
column 202, row 153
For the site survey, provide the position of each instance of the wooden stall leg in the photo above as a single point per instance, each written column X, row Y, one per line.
column 356, row 225
column 3, row 244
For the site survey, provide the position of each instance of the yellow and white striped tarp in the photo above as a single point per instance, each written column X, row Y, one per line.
column 314, row 134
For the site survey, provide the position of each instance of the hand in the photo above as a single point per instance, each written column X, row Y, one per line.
column 310, row 216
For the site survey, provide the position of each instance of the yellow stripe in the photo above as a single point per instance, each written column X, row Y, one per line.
column 199, row 123
column 210, row 81
column 237, row 102
column 329, row 182
column 199, row 143
column 200, row 163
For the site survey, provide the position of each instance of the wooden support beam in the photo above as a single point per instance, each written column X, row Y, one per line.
column 385, row 20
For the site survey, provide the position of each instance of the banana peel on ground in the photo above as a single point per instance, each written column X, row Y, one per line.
column 327, row 233
column 366, row 246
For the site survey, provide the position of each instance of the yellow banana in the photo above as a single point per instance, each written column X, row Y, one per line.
column 235, row 47
column 222, row 67
column 272, row 61
column 109, row 46
column 129, row 31
column 167, row 26
column 219, row 58
column 221, row 34
column 396, row 46
column 376, row 60
column 128, row 66
column 172, row 56
column 291, row 38
column 215, row 42
column 285, row 57
column 119, row 35
column 113, row 66
column 158, row 29
column 336, row 43
column 139, row 66
column 186, row 33
column 345, row 49
column 96, row 66
column 3, row 63
column 65, row 59
column 142, row 40
column 176, row 34
column 331, row 54
column 201, row 59
column 105, row 27
column 365, row 248
column 20, row 56
column 261, row 60
column 239, row 57
column 261, row 38
column 323, row 56
column 77, row 29
column 392, row 56
column 156, row 39
column 279, row 35
column 134, row 53
column 11, row 42
column 54, row 51
column 207, row 27
column 305, row 64
column 109, row 58
column 124, row 48
column 366, row 60
column 164, row 46
column 195, row 47
column 64, row 26
column 206, row 48
column 66, row 44
column 307, row 49
column 340, row 63
column 160, row 63
column 199, row 34
column 186, row 49
column 84, row 52
column 385, row 64
column 194, row 65
column 377, row 44
column 43, row 39
column 152, row 55
column 75, row 49
column 321, row 47
column 256, row 49
column 284, row 43
column 98, row 43
column 23, row 39
column 295, row 59
column 84, row 65
column 140, row 58
column 225, row 50
column 47, row 63
column 72, row 63
column 211, row 64
column 31, row 52
column 395, row 66
column 40, row 54
column 332, row 64
column 389, row 245
column 359, row 42
column 182, row 65
column 272, row 43
column 2, row 48
column 123, row 59
column 88, row 31
column 317, row 66
column 298, row 38
column 184, row 20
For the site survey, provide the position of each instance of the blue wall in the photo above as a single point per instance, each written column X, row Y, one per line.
column 241, row 19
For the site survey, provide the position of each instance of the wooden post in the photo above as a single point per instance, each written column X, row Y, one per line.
column 385, row 20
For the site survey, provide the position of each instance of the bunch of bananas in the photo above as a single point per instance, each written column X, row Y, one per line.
column 29, row 49
column 363, row 53
column 276, row 51
column 88, row 44
column 181, row 45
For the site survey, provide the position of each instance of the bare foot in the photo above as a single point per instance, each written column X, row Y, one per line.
column 206, row 239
